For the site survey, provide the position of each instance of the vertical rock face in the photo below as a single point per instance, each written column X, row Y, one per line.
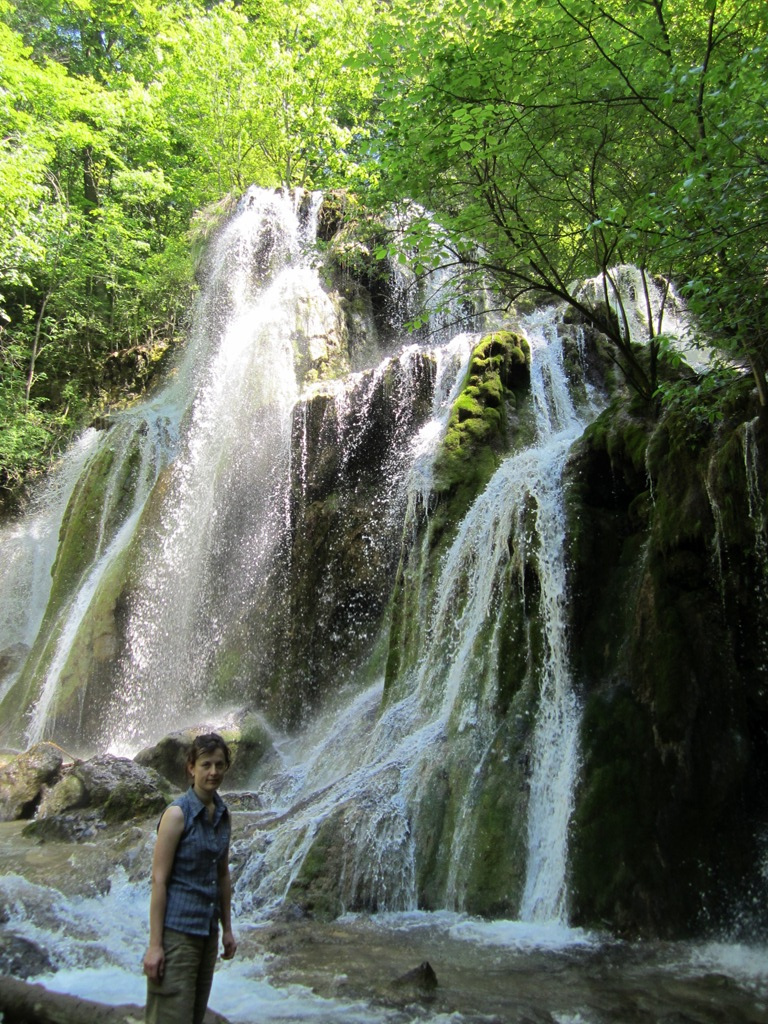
column 346, row 503
column 670, row 583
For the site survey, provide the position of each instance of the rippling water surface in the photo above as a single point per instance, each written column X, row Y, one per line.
column 85, row 906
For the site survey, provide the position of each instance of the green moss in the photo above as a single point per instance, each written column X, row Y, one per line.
column 614, row 855
column 434, row 827
column 86, row 677
column 125, row 802
column 497, row 872
column 316, row 886
column 660, row 573
column 79, row 536
column 479, row 424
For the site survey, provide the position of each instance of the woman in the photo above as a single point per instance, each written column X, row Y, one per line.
column 191, row 892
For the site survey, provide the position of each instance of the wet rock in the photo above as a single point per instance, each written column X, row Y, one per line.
column 25, row 777
column 74, row 827
column 21, row 957
column 117, row 786
column 32, row 1004
column 246, row 737
column 12, row 658
column 421, row 981
column 667, row 613
column 244, row 802
column 169, row 756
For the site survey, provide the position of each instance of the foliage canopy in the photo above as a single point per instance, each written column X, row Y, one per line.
column 119, row 119
column 556, row 140
column 552, row 142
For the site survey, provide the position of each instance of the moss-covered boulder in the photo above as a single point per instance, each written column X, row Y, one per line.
column 117, row 787
column 478, row 428
column 669, row 581
column 25, row 777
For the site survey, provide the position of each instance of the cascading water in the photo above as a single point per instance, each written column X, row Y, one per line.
column 225, row 504
column 375, row 782
column 29, row 550
column 194, row 498
column 445, row 782
column 219, row 490
column 111, row 542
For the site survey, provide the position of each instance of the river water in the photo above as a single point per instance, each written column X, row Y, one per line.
column 85, row 905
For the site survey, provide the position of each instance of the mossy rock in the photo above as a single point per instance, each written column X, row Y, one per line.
column 316, row 887
column 668, row 627
column 248, row 740
column 478, row 427
column 616, row 873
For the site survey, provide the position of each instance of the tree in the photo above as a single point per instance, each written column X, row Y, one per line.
column 553, row 140
column 120, row 119
column 273, row 100
column 82, row 210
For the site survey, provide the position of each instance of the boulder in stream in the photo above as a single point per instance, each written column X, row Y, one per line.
column 118, row 787
column 25, row 778
column 247, row 738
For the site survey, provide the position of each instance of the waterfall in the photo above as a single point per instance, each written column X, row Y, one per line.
column 193, row 492
column 555, row 748
column 226, row 501
column 368, row 764
column 186, row 602
column 268, row 538
column 498, row 536
column 109, row 546
column 29, row 550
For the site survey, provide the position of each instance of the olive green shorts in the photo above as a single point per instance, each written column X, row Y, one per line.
column 181, row 996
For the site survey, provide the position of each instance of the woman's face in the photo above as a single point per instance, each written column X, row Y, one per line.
column 208, row 771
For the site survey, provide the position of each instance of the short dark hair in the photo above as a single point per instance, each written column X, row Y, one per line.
column 206, row 743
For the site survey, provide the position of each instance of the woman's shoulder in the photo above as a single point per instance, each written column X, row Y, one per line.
column 172, row 820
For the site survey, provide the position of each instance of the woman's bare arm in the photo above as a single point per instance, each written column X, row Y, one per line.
column 168, row 835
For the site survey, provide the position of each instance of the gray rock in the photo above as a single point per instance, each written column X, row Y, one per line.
column 21, row 957
column 247, row 738
column 117, row 786
column 25, row 778
column 421, row 979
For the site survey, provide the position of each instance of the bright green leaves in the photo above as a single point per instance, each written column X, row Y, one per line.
column 568, row 136
column 118, row 120
column 276, row 102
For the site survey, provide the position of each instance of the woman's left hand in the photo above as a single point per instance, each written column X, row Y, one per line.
column 230, row 945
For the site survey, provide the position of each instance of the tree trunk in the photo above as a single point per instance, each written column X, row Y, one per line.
column 90, row 185
column 36, row 345
column 758, row 372
column 23, row 1003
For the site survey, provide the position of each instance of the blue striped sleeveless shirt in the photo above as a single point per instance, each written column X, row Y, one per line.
column 192, row 905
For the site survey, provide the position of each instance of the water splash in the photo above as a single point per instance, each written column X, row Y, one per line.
column 29, row 549
column 226, row 502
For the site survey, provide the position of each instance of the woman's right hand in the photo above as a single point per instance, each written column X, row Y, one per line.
column 154, row 963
